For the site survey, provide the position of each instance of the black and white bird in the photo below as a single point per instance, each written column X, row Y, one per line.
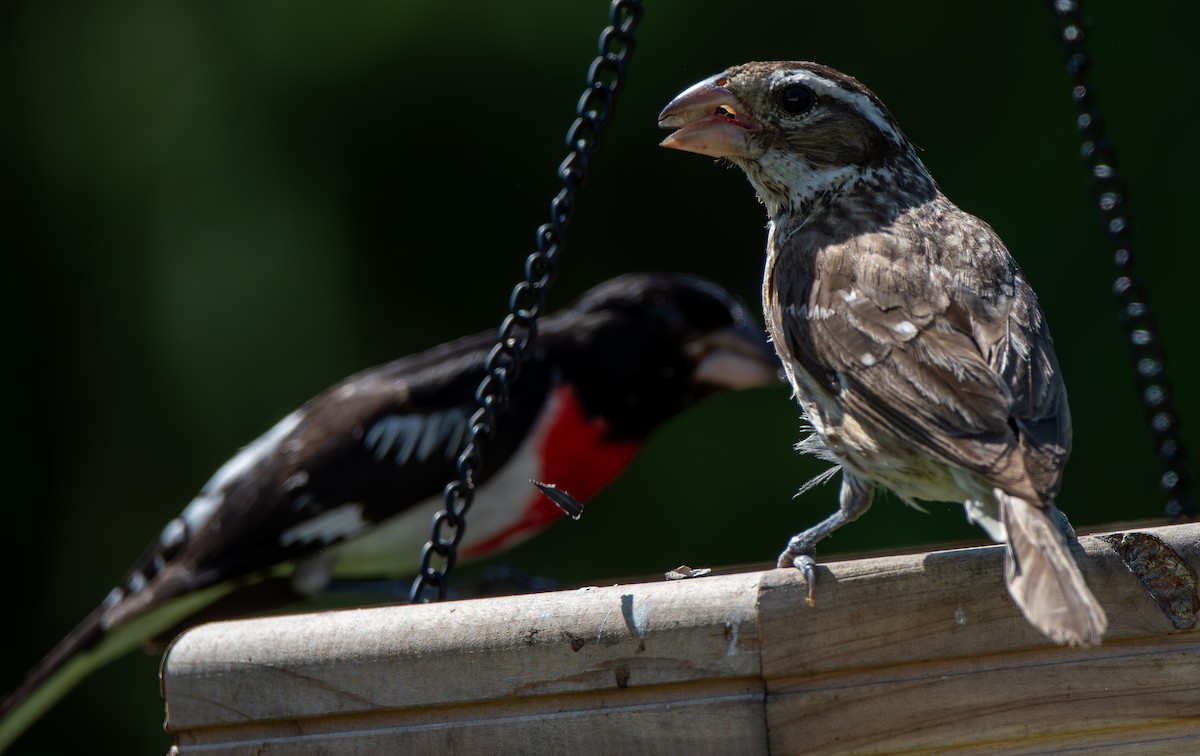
column 915, row 346
column 345, row 487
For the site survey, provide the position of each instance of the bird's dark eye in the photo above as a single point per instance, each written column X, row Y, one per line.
column 796, row 99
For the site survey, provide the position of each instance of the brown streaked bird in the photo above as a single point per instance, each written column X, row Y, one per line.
column 915, row 345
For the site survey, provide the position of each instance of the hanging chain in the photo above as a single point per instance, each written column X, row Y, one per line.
column 605, row 78
column 1149, row 356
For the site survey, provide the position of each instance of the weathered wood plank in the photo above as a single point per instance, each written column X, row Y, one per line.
column 718, row 718
column 937, row 605
column 1034, row 696
column 430, row 665
column 928, row 651
column 920, row 652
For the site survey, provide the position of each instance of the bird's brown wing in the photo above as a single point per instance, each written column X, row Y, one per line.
column 912, row 350
column 1023, row 355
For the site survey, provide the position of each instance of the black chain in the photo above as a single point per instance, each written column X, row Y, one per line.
column 1149, row 356
column 605, row 78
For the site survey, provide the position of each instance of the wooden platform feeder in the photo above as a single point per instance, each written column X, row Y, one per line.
column 922, row 652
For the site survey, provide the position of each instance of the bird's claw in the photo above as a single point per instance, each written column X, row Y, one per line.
column 808, row 567
column 801, row 556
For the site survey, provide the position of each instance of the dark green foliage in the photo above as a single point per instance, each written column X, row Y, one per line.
column 216, row 209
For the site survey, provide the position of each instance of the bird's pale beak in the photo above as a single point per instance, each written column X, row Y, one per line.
column 737, row 357
column 709, row 120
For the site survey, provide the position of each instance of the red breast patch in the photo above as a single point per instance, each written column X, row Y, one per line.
column 576, row 456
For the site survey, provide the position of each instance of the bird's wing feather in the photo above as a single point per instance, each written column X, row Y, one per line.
column 1023, row 355
column 909, row 347
column 387, row 441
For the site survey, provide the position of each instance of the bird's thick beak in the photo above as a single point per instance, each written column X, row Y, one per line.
column 709, row 120
column 734, row 358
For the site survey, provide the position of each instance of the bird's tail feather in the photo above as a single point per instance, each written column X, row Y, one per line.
column 1044, row 580
column 73, row 659
column 88, row 647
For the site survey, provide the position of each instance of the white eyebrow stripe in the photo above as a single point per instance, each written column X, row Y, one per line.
column 821, row 85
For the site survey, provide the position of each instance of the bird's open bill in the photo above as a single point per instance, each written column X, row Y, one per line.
column 709, row 120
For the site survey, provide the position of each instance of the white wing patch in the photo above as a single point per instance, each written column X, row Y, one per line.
column 326, row 527
column 817, row 312
column 296, row 481
column 905, row 328
column 419, row 437
column 201, row 509
column 173, row 534
column 198, row 512
column 388, row 548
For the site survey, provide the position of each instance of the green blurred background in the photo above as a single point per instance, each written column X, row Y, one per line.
column 215, row 209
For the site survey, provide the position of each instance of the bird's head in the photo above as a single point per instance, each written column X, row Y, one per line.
column 798, row 130
column 647, row 345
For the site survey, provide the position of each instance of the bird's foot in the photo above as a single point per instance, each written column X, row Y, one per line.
column 854, row 499
column 801, row 554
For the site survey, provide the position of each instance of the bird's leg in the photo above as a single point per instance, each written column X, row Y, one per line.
column 853, row 499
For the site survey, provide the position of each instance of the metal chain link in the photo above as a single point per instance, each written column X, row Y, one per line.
column 605, row 77
column 1149, row 356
